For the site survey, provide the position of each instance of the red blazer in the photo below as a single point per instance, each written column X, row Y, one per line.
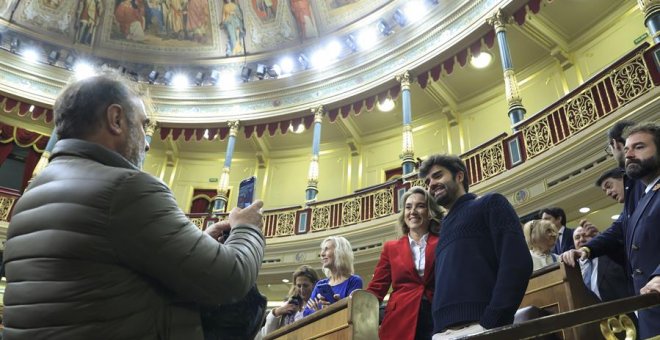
column 396, row 268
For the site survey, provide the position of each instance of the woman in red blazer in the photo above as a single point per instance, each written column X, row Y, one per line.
column 407, row 264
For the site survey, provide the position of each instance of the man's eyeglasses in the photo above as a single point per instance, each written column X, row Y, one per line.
column 608, row 150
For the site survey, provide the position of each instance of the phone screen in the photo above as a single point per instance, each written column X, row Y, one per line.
column 326, row 291
column 246, row 192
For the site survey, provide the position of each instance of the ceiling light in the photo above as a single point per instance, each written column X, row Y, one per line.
column 14, row 45
column 245, row 73
column 585, row 210
column 334, row 49
column 482, row 60
column 168, row 77
column 261, row 71
column 287, row 65
column 615, row 217
column 285, row 280
column 53, row 56
column 384, row 27
column 180, row 80
column 69, row 62
column 31, row 55
column 320, row 58
column 299, row 129
column 214, row 77
column 199, row 78
column 386, row 106
column 274, row 71
column 367, row 38
column 414, row 10
column 153, row 75
column 83, row 70
column 350, row 42
column 303, row 60
column 229, row 78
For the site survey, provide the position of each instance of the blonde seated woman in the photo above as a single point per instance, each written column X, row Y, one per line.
column 541, row 236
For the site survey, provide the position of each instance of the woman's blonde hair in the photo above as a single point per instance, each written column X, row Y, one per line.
column 434, row 210
column 535, row 230
column 343, row 258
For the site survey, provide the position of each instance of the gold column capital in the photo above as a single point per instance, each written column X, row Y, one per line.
column 151, row 128
column 233, row 127
column 318, row 112
column 404, row 79
column 498, row 20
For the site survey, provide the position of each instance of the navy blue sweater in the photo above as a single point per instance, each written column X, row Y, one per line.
column 482, row 264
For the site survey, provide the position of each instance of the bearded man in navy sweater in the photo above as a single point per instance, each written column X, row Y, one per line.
column 482, row 263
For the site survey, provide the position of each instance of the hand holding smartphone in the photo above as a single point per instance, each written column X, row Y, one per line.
column 245, row 197
column 326, row 291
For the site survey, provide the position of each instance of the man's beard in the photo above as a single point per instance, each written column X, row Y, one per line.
column 639, row 169
column 449, row 196
column 134, row 151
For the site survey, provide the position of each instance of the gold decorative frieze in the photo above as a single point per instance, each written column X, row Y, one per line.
column 285, row 223
column 383, row 202
column 631, row 79
column 198, row 221
column 5, row 207
column 537, row 137
column 351, row 210
column 581, row 111
column 320, row 218
column 492, row 160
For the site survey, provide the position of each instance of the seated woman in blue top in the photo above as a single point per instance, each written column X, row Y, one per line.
column 337, row 261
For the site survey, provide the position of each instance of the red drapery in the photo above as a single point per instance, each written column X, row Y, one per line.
column 202, row 199
column 36, row 142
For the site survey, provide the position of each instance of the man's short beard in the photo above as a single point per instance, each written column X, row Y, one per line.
column 643, row 167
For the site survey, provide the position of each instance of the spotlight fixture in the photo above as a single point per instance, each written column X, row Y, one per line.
column 261, row 71
column 14, row 45
column 384, row 27
column 31, row 55
column 286, row 65
column 400, row 17
column 199, row 78
column 180, row 80
column 214, row 77
column 350, row 42
column 69, row 62
column 246, row 72
column 53, row 56
column 304, row 61
column 168, row 77
column 153, row 75
column 274, row 71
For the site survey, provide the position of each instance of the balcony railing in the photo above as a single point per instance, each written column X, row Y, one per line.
column 622, row 82
column 7, row 199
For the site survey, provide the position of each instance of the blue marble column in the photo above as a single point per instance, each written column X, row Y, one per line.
column 220, row 201
column 407, row 151
column 43, row 160
column 516, row 108
column 651, row 10
column 313, row 174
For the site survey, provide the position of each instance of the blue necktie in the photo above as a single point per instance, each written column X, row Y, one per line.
column 587, row 269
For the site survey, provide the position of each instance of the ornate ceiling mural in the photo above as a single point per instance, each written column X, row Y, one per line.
column 161, row 29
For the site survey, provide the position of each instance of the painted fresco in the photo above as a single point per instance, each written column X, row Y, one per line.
column 5, row 8
column 175, row 23
column 234, row 26
column 302, row 12
column 53, row 17
column 90, row 13
column 265, row 9
column 339, row 3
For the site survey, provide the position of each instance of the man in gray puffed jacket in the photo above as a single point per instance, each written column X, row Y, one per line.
column 98, row 249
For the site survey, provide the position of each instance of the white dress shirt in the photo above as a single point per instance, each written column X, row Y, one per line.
column 418, row 253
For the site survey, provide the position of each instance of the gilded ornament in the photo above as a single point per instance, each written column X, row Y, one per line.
column 320, row 218
column 537, row 137
column 631, row 80
column 383, row 203
column 351, row 210
column 610, row 327
column 581, row 111
column 285, row 223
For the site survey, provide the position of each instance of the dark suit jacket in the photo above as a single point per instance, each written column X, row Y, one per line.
column 396, row 268
column 613, row 283
column 566, row 241
column 642, row 246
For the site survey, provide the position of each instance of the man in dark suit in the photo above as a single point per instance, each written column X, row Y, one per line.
column 557, row 216
column 604, row 276
column 638, row 230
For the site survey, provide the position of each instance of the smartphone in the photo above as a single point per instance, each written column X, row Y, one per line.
column 295, row 300
column 326, row 291
column 246, row 192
